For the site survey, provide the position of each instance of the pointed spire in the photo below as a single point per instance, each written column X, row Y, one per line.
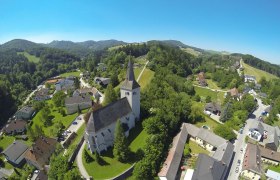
column 130, row 73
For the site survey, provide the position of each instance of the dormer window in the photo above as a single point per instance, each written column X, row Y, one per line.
column 109, row 130
column 102, row 134
column 134, row 93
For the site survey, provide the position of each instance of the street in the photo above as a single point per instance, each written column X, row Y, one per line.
column 240, row 142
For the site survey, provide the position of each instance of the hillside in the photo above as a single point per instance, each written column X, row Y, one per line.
column 257, row 72
column 19, row 44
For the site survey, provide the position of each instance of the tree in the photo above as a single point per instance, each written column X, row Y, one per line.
column 59, row 98
column 110, row 95
column 48, row 85
column 225, row 132
column 227, row 112
column 121, row 150
column 114, row 80
column 248, row 103
column 143, row 170
column 77, row 83
column 38, row 131
column 59, row 167
column 187, row 150
column 45, row 116
column 62, row 112
column 197, row 98
column 73, row 175
column 38, row 105
column 208, row 99
column 88, row 158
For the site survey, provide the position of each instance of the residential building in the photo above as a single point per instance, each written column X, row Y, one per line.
column 213, row 108
column 101, row 125
column 102, row 81
column 272, row 175
column 250, row 78
column 65, row 84
column 15, row 127
column 85, row 75
column 84, row 91
column 252, row 162
column 40, row 152
column 172, row 162
column 42, row 94
column 268, row 156
column 234, row 93
column 15, row 153
column 25, row 113
column 207, row 168
column 201, row 79
column 268, row 136
column 77, row 103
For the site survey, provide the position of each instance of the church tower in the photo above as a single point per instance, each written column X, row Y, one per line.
column 131, row 90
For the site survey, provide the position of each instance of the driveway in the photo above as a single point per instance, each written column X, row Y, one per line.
column 80, row 164
column 240, row 142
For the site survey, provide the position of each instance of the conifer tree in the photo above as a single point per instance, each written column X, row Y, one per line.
column 121, row 150
column 110, row 95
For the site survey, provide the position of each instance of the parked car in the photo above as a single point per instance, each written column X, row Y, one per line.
column 79, row 118
column 68, row 131
column 239, row 161
column 74, row 123
column 237, row 169
column 241, row 150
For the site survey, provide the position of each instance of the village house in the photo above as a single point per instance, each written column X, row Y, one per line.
column 25, row 113
column 65, row 84
column 85, row 75
column 14, row 153
column 42, row 94
column 272, row 175
column 40, row 152
column 77, row 103
column 101, row 125
column 234, row 93
column 15, row 127
column 268, row 136
column 220, row 161
column 249, row 78
column 90, row 91
column 102, row 81
column 213, row 108
column 201, row 79
column 252, row 162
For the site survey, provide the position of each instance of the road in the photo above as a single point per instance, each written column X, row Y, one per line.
column 240, row 142
column 206, row 87
column 31, row 94
column 80, row 164
column 142, row 72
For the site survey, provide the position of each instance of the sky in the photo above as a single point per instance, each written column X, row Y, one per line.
column 243, row 26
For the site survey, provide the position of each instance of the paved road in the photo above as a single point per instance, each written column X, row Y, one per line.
column 240, row 142
column 80, row 164
column 142, row 72
column 206, row 87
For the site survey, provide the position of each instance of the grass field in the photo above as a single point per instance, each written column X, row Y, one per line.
column 110, row 166
column 66, row 120
column 196, row 149
column 30, row 58
column 146, row 78
column 75, row 73
column 274, row 168
column 208, row 122
column 5, row 141
column 215, row 96
column 249, row 70
column 191, row 51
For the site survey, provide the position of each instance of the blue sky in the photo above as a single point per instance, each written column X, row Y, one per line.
column 246, row 26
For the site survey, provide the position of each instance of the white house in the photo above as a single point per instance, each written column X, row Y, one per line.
column 101, row 125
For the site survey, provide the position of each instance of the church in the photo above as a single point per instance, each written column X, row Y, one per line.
column 100, row 129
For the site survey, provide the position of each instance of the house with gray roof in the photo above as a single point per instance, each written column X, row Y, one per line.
column 25, row 113
column 213, row 107
column 208, row 168
column 101, row 125
column 15, row 153
column 87, row 91
column 102, row 81
column 250, row 78
column 65, row 84
column 77, row 103
column 270, row 136
column 42, row 94
column 15, row 127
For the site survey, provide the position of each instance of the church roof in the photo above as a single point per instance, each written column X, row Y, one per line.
column 130, row 82
column 107, row 115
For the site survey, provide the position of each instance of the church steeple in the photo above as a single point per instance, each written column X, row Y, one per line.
column 130, row 82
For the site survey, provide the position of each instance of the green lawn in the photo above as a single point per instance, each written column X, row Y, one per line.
column 66, row 121
column 5, row 141
column 208, row 122
column 257, row 72
column 111, row 167
column 146, row 78
column 30, row 58
column 137, row 71
column 215, row 96
column 274, row 168
column 75, row 73
column 196, row 149
column 76, row 140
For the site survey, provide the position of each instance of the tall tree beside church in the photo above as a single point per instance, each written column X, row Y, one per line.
column 110, row 95
column 121, row 150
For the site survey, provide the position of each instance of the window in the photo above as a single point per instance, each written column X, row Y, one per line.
column 127, row 118
column 134, row 93
column 109, row 130
column 126, row 93
column 102, row 134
